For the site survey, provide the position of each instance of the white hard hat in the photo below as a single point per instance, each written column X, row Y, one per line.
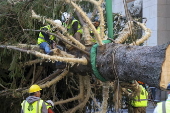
column 65, row 16
column 50, row 102
column 58, row 22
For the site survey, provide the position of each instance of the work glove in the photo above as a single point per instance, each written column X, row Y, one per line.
column 54, row 45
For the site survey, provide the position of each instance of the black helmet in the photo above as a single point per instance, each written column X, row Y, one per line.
column 96, row 19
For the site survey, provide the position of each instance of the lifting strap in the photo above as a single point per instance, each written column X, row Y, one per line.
column 93, row 60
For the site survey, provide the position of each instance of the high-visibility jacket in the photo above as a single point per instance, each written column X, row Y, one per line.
column 48, row 106
column 142, row 100
column 80, row 30
column 33, row 107
column 163, row 107
column 41, row 36
column 98, row 29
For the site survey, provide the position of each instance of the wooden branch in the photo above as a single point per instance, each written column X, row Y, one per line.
column 144, row 37
column 117, row 96
column 72, row 61
column 50, row 77
column 17, row 92
column 34, row 47
column 125, row 33
column 72, row 39
column 68, row 100
column 79, row 96
column 86, row 32
column 94, row 100
column 105, row 96
column 133, row 87
column 33, row 62
column 82, row 104
column 81, row 87
column 63, row 29
column 49, row 83
column 61, row 53
column 35, row 16
column 100, row 13
column 62, row 38
column 82, row 13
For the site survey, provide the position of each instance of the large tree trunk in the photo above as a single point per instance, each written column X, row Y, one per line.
column 142, row 63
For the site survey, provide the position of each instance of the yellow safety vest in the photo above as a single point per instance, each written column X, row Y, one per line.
column 41, row 36
column 32, row 108
column 48, row 106
column 98, row 30
column 142, row 101
column 163, row 107
column 80, row 30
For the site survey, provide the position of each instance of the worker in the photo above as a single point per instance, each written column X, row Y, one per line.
column 139, row 103
column 46, row 41
column 96, row 24
column 73, row 25
column 33, row 103
column 50, row 106
column 163, row 107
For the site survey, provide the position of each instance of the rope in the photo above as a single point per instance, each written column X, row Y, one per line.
column 113, row 64
column 116, row 76
column 129, row 18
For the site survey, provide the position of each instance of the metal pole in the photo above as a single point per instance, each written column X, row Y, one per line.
column 109, row 18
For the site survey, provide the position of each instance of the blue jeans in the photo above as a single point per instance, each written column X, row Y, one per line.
column 46, row 47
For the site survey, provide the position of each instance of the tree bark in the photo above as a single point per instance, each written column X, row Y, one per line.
column 141, row 63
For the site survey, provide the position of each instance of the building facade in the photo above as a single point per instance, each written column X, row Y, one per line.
column 157, row 13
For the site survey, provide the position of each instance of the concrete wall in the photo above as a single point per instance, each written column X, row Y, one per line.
column 118, row 7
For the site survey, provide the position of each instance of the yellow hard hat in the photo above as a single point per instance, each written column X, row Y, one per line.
column 34, row 88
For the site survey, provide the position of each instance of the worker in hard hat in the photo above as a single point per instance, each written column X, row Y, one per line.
column 73, row 25
column 96, row 23
column 50, row 106
column 46, row 41
column 33, row 103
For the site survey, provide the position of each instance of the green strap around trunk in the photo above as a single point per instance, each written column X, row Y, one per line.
column 93, row 60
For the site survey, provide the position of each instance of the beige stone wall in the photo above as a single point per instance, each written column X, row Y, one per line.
column 150, row 12
column 163, row 21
